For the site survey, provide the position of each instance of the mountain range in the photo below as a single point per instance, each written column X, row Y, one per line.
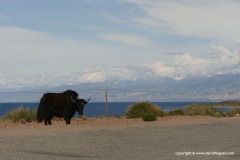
column 212, row 88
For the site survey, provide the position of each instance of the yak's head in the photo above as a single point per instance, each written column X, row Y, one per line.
column 80, row 105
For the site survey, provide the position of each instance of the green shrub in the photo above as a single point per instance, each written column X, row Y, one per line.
column 176, row 112
column 139, row 110
column 149, row 117
column 233, row 113
column 21, row 113
column 203, row 110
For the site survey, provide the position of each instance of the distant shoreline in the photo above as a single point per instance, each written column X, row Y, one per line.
column 222, row 106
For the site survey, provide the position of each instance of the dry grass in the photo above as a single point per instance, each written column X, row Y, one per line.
column 203, row 110
column 21, row 114
column 234, row 112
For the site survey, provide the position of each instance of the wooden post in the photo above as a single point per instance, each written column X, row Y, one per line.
column 106, row 93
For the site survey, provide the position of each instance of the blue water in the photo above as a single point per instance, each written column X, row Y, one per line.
column 95, row 109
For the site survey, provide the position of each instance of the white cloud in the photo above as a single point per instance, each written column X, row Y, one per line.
column 134, row 40
column 35, row 52
column 227, row 57
column 192, row 66
column 91, row 75
column 187, row 60
column 208, row 19
column 162, row 70
column 185, row 66
column 102, row 74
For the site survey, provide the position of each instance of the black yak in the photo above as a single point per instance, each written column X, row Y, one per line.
column 60, row 105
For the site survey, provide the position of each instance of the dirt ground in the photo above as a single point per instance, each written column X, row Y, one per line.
column 120, row 138
column 78, row 124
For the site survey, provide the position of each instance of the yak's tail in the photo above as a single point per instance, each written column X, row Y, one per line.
column 41, row 110
column 39, row 115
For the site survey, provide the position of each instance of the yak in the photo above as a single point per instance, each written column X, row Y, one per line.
column 79, row 106
column 60, row 105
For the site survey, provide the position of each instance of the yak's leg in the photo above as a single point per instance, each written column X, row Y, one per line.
column 47, row 118
column 50, row 118
column 67, row 116
column 68, row 120
column 49, row 122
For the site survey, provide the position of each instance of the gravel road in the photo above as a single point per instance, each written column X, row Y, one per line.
column 165, row 139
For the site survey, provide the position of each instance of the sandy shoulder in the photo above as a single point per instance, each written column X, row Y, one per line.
column 77, row 125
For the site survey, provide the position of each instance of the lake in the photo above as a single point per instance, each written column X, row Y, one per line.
column 95, row 109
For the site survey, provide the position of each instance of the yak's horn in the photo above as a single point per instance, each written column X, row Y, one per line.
column 73, row 100
column 89, row 99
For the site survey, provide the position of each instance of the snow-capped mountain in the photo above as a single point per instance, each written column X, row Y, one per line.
column 212, row 88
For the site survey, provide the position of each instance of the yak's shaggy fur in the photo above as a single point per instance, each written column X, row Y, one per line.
column 60, row 105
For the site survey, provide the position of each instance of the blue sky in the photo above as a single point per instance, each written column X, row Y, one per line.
column 78, row 41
